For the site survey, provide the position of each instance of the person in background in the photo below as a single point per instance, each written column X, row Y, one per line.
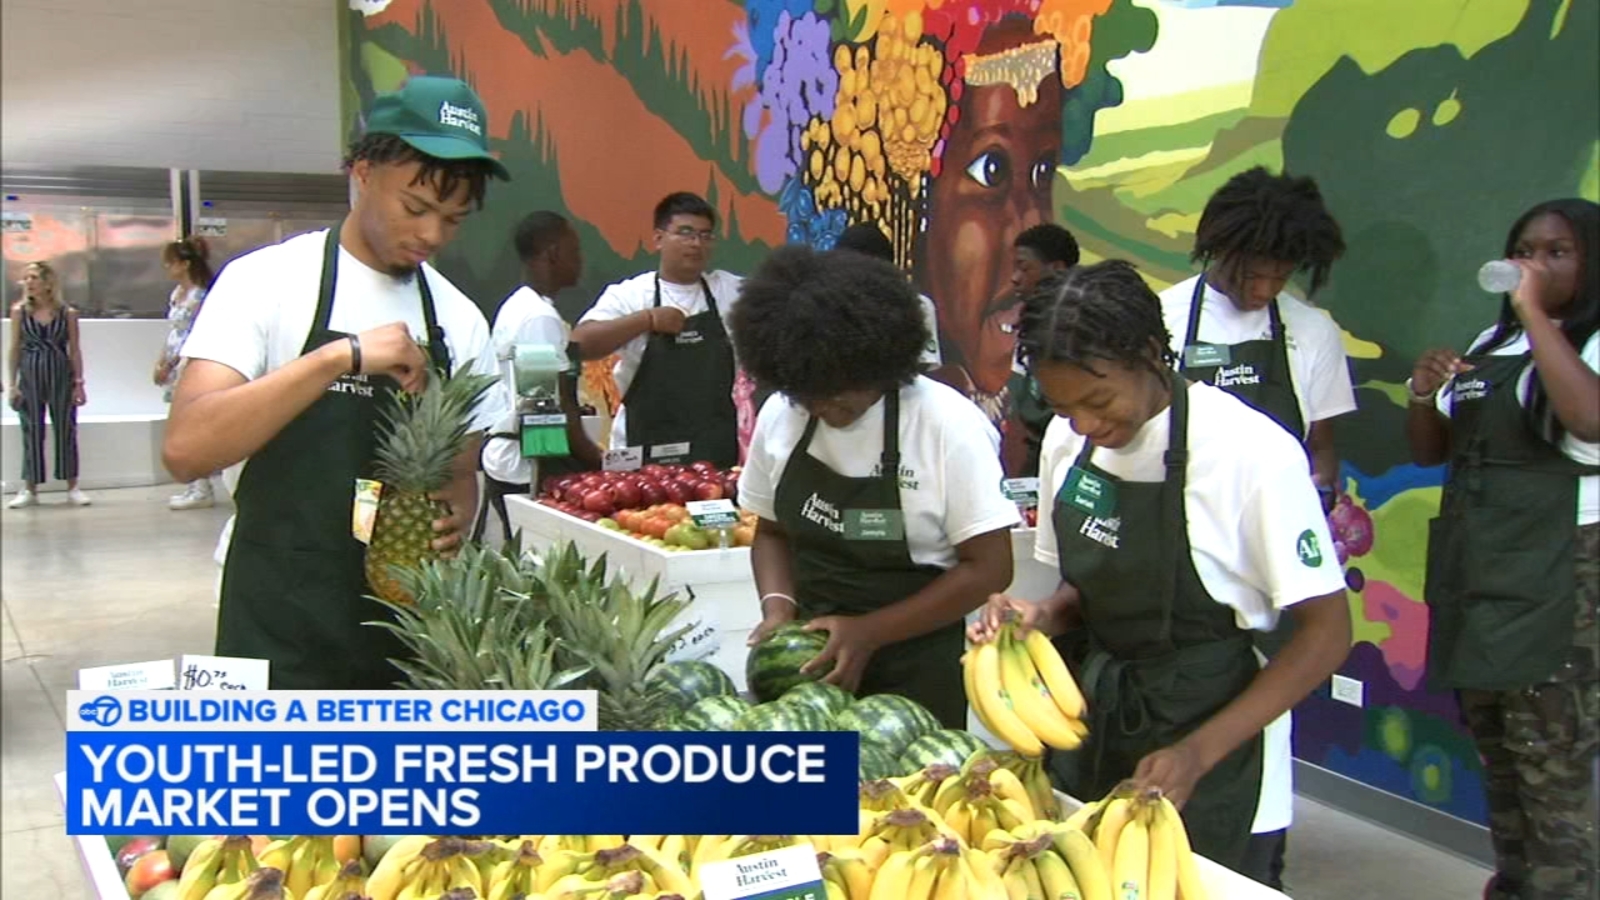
column 676, row 371
column 1041, row 252
column 856, row 434
column 188, row 263
column 1236, row 327
column 552, row 260
column 290, row 366
column 1513, row 574
column 1181, row 520
column 46, row 375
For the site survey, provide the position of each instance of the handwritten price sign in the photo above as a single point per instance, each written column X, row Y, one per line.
column 221, row 673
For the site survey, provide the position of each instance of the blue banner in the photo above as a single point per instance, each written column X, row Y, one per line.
column 461, row 783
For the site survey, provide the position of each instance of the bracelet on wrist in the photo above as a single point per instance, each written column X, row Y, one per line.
column 1420, row 399
column 791, row 600
column 355, row 354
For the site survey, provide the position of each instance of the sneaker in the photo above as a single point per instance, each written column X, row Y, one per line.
column 24, row 497
column 78, row 498
column 198, row 496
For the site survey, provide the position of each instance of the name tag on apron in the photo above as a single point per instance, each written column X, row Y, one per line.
column 1090, row 493
column 874, row 525
column 1198, row 355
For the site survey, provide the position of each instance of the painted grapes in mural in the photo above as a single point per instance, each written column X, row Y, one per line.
column 954, row 124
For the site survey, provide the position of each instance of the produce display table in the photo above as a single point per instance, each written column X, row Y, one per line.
column 101, row 869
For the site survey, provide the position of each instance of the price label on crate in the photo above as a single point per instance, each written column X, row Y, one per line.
column 221, row 673
column 713, row 513
column 1021, row 490
column 787, row 874
column 623, row 459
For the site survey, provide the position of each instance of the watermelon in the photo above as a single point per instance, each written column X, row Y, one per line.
column 713, row 714
column 773, row 666
column 687, row 680
column 889, row 720
column 876, row 762
column 783, row 717
column 948, row 746
column 828, row 699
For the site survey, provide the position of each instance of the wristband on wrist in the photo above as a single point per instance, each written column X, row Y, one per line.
column 1420, row 399
column 792, row 601
column 355, row 354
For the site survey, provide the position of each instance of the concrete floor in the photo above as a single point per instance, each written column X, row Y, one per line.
column 127, row 580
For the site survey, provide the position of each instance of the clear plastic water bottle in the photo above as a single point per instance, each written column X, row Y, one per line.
column 1499, row 276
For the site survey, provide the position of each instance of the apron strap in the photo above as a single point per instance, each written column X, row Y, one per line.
column 1193, row 329
column 438, row 350
column 1177, row 465
column 891, row 439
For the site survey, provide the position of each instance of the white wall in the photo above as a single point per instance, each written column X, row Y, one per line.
column 245, row 85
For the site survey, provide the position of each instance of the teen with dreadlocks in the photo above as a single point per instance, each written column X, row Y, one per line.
column 1514, row 557
column 1236, row 327
column 1181, row 520
column 288, row 363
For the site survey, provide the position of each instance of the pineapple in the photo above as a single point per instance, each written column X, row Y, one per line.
column 415, row 454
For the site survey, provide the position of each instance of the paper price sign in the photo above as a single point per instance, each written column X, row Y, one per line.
column 1021, row 490
column 221, row 673
column 156, row 675
column 787, row 874
column 713, row 513
column 623, row 459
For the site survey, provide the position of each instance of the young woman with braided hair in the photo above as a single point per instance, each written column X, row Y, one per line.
column 1181, row 520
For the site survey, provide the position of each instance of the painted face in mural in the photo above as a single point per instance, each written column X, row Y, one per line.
column 998, row 166
column 1108, row 405
column 685, row 247
column 1549, row 239
column 404, row 221
column 1251, row 283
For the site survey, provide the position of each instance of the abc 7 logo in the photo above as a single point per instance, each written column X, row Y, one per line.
column 103, row 711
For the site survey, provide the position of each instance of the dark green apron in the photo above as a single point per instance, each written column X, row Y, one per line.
column 1033, row 415
column 837, row 573
column 1256, row 372
column 1501, row 571
column 682, row 393
column 1158, row 656
column 293, row 588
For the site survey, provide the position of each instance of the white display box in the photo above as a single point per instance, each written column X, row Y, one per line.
column 99, row 866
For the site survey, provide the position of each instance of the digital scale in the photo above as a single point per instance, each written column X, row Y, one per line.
column 536, row 373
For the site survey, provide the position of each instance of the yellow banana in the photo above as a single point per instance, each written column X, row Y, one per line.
column 1057, row 678
column 985, row 871
column 653, row 841
column 1189, row 884
column 391, row 872
column 1094, row 880
column 959, row 818
column 1131, row 870
column 1031, row 700
column 991, row 695
column 983, row 824
column 710, row 849
column 950, row 790
column 875, row 850
column 665, row 872
column 924, row 876
column 1007, row 786
column 1016, row 884
column 302, row 864
column 969, row 682
column 855, row 874
column 833, row 889
column 893, row 880
column 348, row 881
column 1112, row 823
column 1080, row 819
column 1030, row 875
column 1010, row 814
column 675, row 849
column 1163, row 877
column 200, row 872
column 1056, row 877
column 280, row 853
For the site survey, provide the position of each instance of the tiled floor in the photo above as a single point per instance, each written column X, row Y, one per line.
column 126, row 580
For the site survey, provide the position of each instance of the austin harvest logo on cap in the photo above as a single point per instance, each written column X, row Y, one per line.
column 460, row 117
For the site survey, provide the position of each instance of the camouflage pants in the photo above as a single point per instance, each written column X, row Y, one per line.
column 1540, row 747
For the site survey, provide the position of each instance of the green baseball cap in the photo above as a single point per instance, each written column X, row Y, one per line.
column 441, row 117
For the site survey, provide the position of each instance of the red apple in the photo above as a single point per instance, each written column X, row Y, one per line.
column 708, row 490
column 601, row 500
column 628, row 494
column 704, row 466
column 148, row 871
column 653, row 470
column 652, row 494
column 676, row 492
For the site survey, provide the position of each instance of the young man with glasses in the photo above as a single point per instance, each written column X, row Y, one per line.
column 676, row 366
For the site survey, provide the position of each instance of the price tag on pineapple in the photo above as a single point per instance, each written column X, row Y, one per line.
column 221, row 673
column 713, row 513
column 787, row 874
column 156, row 675
column 623, row 459
column 1024, row 491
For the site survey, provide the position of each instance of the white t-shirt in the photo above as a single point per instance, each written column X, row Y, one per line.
column 1249, row 502
column 636, row 294
column 1317, row 360
column 1576, row 450
column 930, row 354
column 950, row 465
column 263, row 305
column 525, row 317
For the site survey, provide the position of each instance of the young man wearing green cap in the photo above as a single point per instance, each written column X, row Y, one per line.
column 288, row 367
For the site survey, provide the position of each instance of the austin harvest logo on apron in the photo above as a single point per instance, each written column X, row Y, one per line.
column 1307, row 548
column 822, row 513
column 1104, row 531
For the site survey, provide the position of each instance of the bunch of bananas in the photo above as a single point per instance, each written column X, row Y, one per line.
column 1044, row 859
column 307, row 861
column 645, row 871
column 1022, row 691
column 1141, row 841
column 676, row 848
column 350, row 880
column 214, row 863
column 423, row 867
column 978, row 802
column 265, row 883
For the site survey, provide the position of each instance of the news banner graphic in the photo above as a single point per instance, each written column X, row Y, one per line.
column 434, row 762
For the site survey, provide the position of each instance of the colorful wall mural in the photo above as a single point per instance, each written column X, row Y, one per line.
column 954, row 124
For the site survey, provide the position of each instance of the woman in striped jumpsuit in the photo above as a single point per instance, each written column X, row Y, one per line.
column 46, row 373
